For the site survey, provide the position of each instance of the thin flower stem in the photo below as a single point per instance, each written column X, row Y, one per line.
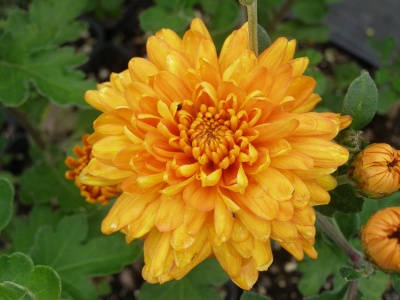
column 251, row 6
column 26, row 124
column 337, row 236
column 352, row 290
column 343, row 179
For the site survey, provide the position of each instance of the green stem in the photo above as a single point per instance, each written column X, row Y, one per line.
column 352, row 290
column 343, row 179
column 251, row 6
column 28, row 126
column 337, row 237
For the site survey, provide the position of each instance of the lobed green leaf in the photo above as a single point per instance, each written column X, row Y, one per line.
column 361, row 101
column 349, row 274
column 32, row 56
column 76, row 259
column 6, row 202
column 51, row 185
column 20, row 279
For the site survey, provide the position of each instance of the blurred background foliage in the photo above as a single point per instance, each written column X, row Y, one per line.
column 51, row 52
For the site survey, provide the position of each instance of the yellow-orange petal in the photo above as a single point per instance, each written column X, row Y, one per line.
column 98, row 173
column 170, row 213
column 248, row 275
column 126, row 209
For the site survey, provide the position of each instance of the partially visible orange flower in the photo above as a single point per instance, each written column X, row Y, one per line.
column 380, row 239
column 216, row 155
column 93, row 194
column 376, row 171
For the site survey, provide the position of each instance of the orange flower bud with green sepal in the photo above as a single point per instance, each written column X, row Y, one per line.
column 380, row 239
column 376, row 171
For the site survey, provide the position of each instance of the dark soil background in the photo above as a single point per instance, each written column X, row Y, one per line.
column 110, row 44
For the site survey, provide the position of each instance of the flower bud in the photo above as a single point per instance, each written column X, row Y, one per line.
column 380, row 238
column 376, row 171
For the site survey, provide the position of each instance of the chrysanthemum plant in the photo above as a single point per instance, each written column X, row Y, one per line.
column 207, row 163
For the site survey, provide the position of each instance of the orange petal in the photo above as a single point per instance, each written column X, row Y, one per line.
column 273, row 56
column 184, row 257
column 326, row 154
column 127, row 208
column 275, row 130
column 223, row 220
column 248, row 275
column 143, row 223
column 165, row 57
column 233, row 46
column 259, row 228
column 262, row 255
column 276, row 183
column 97, row 173
column 198, row 197
column 193, row 220
column 244, row 248
column 226, row 255
column 142, row 70
column 170, row 213
column 181, row 239
column 285, row 231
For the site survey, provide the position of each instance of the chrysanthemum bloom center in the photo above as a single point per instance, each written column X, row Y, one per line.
column 214, row 136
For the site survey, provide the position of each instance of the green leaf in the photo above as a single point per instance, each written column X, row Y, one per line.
column 345, row 74
column 310, row 11
column 252, row 296
column 17, row 273
column 224, row 16
column 196, row 285
column 51, row 185
column 156, row 18
column 6, row 202
column 343, row 200
column 302, row 32
column 395, row 279
column 349, row 274
column 361, row 101
column 264, row 41
column 314, row 56
column 374, row 286
column 22, row 230
column 76, row 259
column 50, row 71
column 371, row 207
column 32, row 56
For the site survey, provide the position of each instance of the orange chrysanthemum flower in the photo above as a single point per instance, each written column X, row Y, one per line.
column 93, row 194
column 376, row 171
column 380, row 239
column 215, row 155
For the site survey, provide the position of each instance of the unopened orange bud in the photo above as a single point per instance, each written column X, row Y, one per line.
column 376, row 171
column 380, row 239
